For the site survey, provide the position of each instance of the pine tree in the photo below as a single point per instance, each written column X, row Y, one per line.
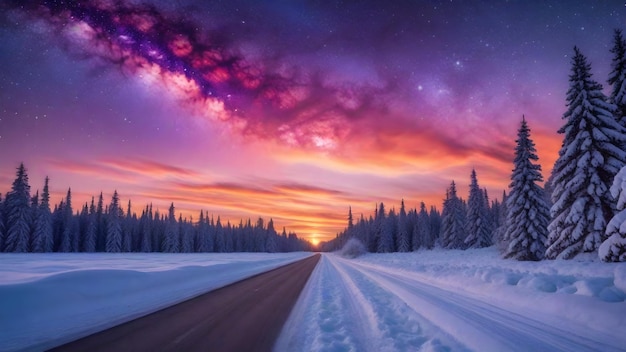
column 271, row 245
column 2, row 226
column 617, row 77
column 171, row 241
column 434, row 219
column 220, row 245
column 186, row 231
column 589, row 158
column 385, row 236
column 528, row 214
column 43, row 237
column 478, row 230
column 114, row 226
column 91, row 232
column 70, row 228
column 425, row 233
column 613, row 249
column 404, row 241
column 19, row 214
column 146, row 230
column 453, row 221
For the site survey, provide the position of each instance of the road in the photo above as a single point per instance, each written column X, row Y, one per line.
column 245, row 316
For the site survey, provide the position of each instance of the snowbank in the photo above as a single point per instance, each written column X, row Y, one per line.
column 443, row 300
column 53, row 298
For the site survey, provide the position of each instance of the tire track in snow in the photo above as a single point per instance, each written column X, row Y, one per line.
column 401, row 328
column 480, row 325
column 326, row 317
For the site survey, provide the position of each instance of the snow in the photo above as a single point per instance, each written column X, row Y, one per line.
column 53, row 298
column 429, row 300
column 457, row 300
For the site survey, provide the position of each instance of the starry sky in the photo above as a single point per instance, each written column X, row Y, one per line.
column 292, row 109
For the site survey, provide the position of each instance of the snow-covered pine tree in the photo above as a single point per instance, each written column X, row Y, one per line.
column 145, row 225
column 434, row 219
column 452, row 221
column 220, row 245
column 385, row 235
column 377, row 227
column 589, row 158
column 2, row 227
column 478, row 229
column 528, row 214
column 404, row 241
column 91, row 231
column 43, row 240
column 114, row 226
column 425, row 236
column 613, row 249
column 19, row 214
column 171, row 239
column 270, row 245
column 617, row 77
column 186, row 232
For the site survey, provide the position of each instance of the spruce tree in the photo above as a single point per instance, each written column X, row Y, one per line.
column 528, row 214
column 114, row 226
column 453, row 221
column 424, row 234
column 146, row 230
column 384, row 230
column 617, row 77
column 2, row 226
column 271, row 246
column 404, row 241
column 478, row 229
column 613, row 249
column 43, row 238
column 589, row 158
column 19, row 214
column 171, row 241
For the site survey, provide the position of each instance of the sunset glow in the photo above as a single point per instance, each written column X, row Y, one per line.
column 286, row 110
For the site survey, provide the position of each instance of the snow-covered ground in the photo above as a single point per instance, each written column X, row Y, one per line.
column 49, row 299
column 459, row 301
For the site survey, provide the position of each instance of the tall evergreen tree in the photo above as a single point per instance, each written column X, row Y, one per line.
column 424, row 235
column 434, row 218
column 478, row 229
column 114, row 226
column 453, row 221
column 146, row 231
column 613, row 249
column 271, row 246
column 528, row 214
column 385, row 234
column 404, row 241
column 43, row 238
column 19, row 214
column 589, row 158
column 90, row 237
column 171, row 241
column 617, row 77
column 2, row 226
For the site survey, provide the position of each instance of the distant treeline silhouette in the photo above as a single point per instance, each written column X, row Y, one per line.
column 27, row 224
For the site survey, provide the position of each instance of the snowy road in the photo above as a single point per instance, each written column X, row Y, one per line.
column 355, row 306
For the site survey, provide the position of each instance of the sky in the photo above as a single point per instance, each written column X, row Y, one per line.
column 290, row 110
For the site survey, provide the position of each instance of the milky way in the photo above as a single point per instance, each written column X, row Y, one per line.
column 347, row 103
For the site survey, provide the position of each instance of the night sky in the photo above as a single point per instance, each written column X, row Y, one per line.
column 292, row 110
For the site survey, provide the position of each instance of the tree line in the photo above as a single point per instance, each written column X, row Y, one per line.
column 580, row 209
column 27, row 224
